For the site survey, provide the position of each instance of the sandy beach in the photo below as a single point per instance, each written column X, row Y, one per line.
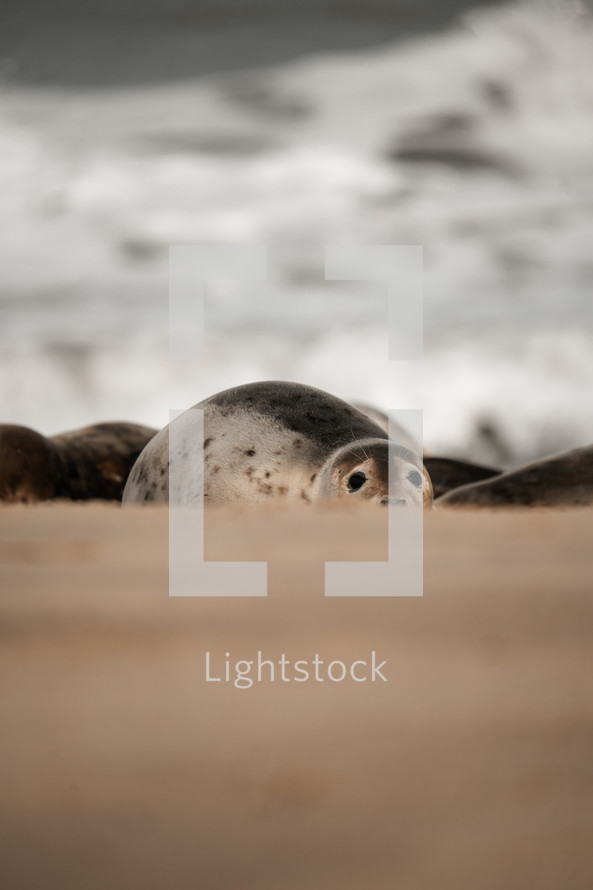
column 434, row 742
column 122, row 766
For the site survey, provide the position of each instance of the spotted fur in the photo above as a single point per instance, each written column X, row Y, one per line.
column 272, row 441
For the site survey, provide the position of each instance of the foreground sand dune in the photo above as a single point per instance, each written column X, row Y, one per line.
column 470, row 768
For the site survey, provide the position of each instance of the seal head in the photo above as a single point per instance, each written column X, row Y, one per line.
column 361, row 472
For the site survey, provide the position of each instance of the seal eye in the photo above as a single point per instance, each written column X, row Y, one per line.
column 415, row 478
column 356, row 481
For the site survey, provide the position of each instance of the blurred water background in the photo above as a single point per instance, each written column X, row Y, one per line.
column 125, row 127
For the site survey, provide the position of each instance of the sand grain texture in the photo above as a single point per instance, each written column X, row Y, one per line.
column 471, row 768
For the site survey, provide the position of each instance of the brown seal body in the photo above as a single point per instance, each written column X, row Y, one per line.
column 30, row 465
column 93, row 462
column 563, row 480
column 446, row 473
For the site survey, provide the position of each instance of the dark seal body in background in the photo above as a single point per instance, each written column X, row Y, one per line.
column 446, row 473
column 93, row 462
column 563, row 480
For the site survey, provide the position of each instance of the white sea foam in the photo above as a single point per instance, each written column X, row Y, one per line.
column 476, row 143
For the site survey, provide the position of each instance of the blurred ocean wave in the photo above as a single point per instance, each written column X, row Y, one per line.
column 475, row 142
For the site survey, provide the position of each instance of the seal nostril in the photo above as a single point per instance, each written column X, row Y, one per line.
column 400, row 502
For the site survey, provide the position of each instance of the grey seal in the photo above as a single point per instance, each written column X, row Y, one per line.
column 280, row 440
